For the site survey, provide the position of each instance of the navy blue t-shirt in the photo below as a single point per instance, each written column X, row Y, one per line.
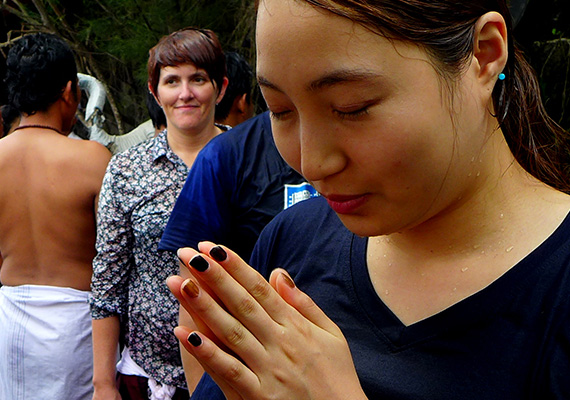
column 510, row 340
column 237, row 184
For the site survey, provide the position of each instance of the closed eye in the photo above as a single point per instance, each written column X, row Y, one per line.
column 352, row 115
column 277, row 116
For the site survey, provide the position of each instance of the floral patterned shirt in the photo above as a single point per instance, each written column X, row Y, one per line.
column 138, row 193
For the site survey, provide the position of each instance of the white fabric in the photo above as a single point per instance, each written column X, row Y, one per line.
column 45, row 343
column 159, row 391
column 128, row 366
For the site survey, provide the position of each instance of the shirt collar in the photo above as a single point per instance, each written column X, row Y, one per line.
column 160, row 148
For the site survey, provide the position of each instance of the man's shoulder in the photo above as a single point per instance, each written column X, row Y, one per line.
column 249, row 132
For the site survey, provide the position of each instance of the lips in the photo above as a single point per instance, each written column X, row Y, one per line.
column 343, row 204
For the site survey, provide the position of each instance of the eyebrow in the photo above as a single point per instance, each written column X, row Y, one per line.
column 330, row 79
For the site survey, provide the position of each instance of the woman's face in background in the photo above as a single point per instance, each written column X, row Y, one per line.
column 188, row 97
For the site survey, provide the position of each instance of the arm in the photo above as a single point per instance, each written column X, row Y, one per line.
column 263, row 338
column 111, row 268
column 105, row 354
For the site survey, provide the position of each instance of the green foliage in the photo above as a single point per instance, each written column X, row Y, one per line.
column 112, row 39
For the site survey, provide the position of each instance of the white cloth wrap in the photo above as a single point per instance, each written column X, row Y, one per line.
column 45, row 343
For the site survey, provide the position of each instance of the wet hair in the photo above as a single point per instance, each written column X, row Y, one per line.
column 38, row 68
column 154, row 111
column 240, row 76
column 200, row 47
column 445, row 30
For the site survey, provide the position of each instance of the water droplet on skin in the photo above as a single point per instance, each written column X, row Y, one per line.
column 509, row 249
column 502, row 215
column 464, row 269
column 478, row 173
column 387, row 292
column 469, row 175
column 482, row 251
column 476, row 246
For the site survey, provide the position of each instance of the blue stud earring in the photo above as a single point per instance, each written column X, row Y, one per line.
column 502, row 76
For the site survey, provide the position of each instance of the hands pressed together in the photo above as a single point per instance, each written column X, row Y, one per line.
column 260, row 339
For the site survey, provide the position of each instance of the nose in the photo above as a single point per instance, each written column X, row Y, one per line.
column 185, row 92
column 321, row 150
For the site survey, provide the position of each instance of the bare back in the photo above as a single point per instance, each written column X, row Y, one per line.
column 50, row 184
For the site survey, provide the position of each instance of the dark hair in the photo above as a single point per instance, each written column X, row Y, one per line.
column 154, row 111
column 445, row 30
column 200, row 47
column 240, row 76
column 38, row 68
column 9, row 116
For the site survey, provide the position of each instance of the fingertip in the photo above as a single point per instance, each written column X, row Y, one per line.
column 286, row 278
column 194, row 339
column 181, row 333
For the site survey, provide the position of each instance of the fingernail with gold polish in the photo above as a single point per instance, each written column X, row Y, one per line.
column 190, row 288
column 288, row 280
column 199, row 263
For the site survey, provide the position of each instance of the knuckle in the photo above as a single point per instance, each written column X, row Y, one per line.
column 233, row 373
column 235, row 335
column 260, row 289
column 246, row 307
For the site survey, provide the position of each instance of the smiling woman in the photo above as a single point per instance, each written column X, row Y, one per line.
column 187, row 77
column 435, row 263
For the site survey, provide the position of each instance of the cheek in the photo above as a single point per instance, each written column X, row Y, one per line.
column 205, row 94
column 288, row 146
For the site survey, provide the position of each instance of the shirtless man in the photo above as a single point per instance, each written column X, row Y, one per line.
column 50, row 184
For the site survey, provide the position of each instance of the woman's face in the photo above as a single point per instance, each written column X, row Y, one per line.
column 187, row 96
column 368, row 121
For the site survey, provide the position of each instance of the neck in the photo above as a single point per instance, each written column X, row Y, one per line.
column 41, row 120
column 188, row 145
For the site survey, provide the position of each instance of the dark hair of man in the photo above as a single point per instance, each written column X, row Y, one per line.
column 9, row 116
column 38, row 67
column 240, row 76
column 445, row 30
column 200, row 47
column 154, row 111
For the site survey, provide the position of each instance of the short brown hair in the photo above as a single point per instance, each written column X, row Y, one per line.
column 200, row 47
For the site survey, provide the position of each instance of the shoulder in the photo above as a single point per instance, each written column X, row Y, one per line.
column 134, row 155
column 253, row 130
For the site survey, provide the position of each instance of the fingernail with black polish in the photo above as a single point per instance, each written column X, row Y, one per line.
column 218, row 253
column 199, row 263
column 194, row 339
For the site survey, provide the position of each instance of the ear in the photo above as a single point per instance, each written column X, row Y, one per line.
column 241, row 103
column 490, row 48
column 70, row 93
column 222, row 90
column 153, row 94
